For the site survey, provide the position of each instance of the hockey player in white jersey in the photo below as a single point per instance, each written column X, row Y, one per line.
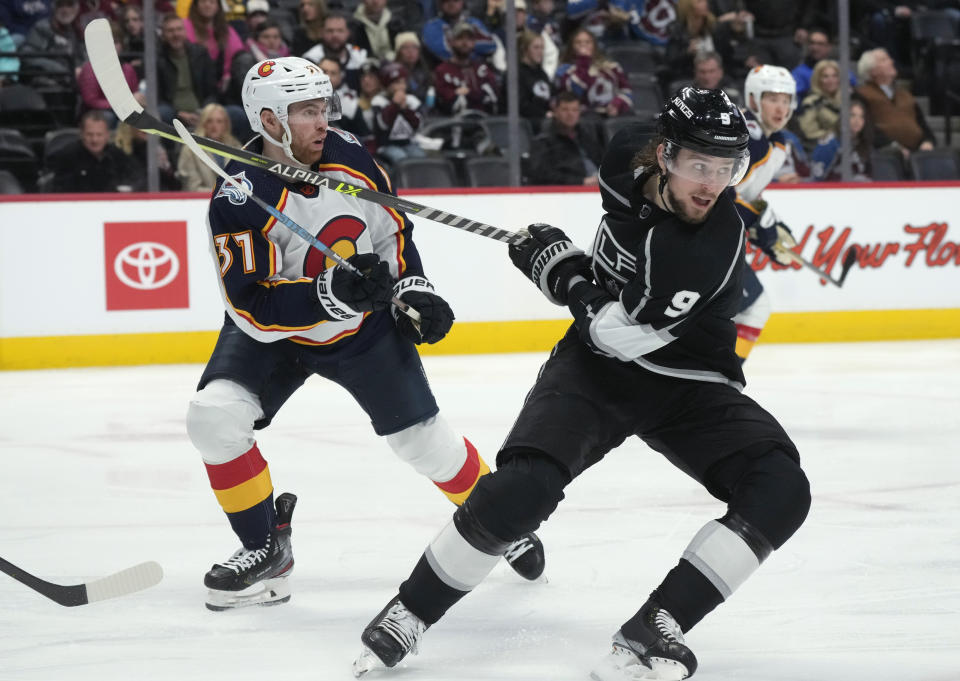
column 771, row 98
column 291, row 312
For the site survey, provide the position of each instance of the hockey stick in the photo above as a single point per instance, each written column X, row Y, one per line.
column 848, row 262
column 286, row 220
column 121, row 583
column 106, row 67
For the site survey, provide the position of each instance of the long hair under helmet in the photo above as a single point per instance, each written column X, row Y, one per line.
column 275, row 84
column 706, row 122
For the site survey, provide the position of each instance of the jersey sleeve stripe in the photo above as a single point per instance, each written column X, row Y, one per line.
column 281, row 204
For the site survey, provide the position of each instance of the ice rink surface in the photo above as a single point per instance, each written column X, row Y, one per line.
column 98, row 474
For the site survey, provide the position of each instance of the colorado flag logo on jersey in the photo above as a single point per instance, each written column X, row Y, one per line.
column 234, row 195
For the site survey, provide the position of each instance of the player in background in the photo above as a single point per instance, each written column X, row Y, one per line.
column 650, row 353
column 771, row 97
column 291, row 312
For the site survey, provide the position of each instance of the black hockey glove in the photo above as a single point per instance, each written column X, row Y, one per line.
column 344, row 295
column 436, row 317
column 586, row 301
column 549, row 259
column 772, row 236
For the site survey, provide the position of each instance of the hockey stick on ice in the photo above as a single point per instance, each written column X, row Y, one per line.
column 106, row 67
column 121, row 583
column 191, row 143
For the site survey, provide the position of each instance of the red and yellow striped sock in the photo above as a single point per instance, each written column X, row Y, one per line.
column 245, row 492
column 459, row 487
column 746, row 338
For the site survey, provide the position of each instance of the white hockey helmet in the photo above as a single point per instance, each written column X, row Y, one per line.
column 769, row 78
column 275, row 84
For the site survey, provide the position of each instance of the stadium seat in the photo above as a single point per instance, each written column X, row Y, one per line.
column 425, row 173
column 936, row 164
column 647, row 99
column 498, row 129
column 487, row 171
column 20, row 160
column 20, row 98
column 887, row 166
column 57, row 140
column 9, row 183
column 634, row 57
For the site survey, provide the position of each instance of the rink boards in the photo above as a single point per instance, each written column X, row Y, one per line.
column 129, row 279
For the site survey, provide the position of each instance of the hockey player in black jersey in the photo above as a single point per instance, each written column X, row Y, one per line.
column 650, row 353
column 291, row 312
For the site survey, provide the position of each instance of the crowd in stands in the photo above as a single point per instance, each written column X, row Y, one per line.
column 422, row 82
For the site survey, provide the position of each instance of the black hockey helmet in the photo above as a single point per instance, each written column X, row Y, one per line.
column 705, row 121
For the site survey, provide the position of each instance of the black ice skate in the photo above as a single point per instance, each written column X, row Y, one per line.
column 257, row 577
column 526, row 557
column 393, row 633
column 661, row 655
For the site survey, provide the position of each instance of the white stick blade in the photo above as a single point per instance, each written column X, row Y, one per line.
column 136, row 578
column 106, row 67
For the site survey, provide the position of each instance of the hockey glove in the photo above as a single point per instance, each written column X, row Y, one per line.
column 436, row 317
column 772, row 237
column 549, row 259
column 344, row 295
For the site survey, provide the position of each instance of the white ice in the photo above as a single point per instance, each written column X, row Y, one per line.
column 98, row 474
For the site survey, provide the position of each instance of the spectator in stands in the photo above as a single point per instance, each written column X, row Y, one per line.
column 825, row 159
column 535, row 89
column 818, row 48
column 9, row 66
column 133, row 143
column 464, row 83
column 819, row 112
column 131, row 23
column 370, row 87
column 19, row 16
column 895, row 113
column 309, row 32
column 396, row 116
column 419, row 76
column 708, row 74
column 567, row 152
column 334, row 44
column 733, row 39
column 690, row 35
column 91, row 164
column 438, row 32
column 95, row 9
column 613, row 20
column 206, row 25
column 351, row 116
column 266, row 42
column 374, row 29
column 551, row 53
column 57, row 34
column 600, row 83
column 777, row 35
column 544, row 17
column 186, row 75
column 258, row 12
column 194, row 174
column 91, row 94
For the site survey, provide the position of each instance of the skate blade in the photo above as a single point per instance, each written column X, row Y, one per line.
column 367, row 661
column 268, row 592
column 612, row 669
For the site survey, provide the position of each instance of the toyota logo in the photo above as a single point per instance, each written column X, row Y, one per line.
column 146, row 259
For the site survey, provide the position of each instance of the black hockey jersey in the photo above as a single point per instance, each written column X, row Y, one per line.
column 267, row 272
column 676, row 286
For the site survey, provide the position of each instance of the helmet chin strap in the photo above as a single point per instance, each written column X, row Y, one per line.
column 284, row 143
column 664, row 176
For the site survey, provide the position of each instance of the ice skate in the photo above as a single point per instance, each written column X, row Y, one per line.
column 393, row 633
column 259, row 576
column 662, row 655
column 526, row 557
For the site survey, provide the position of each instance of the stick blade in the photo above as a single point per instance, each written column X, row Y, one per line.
column 133, row 579
column 106, row 67
column 849, row 260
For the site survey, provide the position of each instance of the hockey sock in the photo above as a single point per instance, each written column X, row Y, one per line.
column 746, row 338
column 245, row 492
column 458, row 488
